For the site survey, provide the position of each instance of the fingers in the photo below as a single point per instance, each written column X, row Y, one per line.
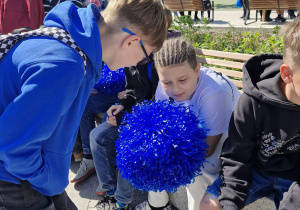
column 121, row 95
column 111, row 110
column 114, row 109
column 111, row 121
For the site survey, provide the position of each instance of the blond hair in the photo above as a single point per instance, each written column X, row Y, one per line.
column 175, row 51
column 146, row 18
column 168, row 15
column 291, row 41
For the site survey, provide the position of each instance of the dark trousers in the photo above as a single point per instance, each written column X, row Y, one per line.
column 268, row 13
column 23, row 197
column 245, row 4
column 196, row 13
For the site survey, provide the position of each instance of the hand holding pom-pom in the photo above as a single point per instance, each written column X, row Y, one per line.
column 161, row 146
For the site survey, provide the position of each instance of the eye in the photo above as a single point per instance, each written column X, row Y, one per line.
column 182, row 80
column 167, row 83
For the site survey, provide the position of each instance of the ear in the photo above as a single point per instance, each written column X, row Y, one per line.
column 130, row 40
column 197, row 70
column 286, row 73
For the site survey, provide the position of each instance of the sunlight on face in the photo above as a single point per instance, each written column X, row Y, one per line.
column 179, row 81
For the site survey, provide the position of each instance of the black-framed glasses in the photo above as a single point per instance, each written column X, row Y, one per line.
column 147, row 59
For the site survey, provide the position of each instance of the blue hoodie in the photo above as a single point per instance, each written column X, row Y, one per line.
column 43, row 92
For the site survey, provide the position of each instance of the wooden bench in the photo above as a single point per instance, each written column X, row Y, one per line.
column 188, row 5
column 272, row 5
column 228, row 63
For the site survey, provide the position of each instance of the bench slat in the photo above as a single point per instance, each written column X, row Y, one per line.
column 273, row 4
column 229, row 73
column 237, row 83
column 220, row 54
column 229, row 64
column 185, row 5
column 235, row 75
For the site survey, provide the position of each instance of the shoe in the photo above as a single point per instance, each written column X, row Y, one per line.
column 106, row 203
column 292, row 17
column 145, row 206
column 78, row 156
column 99, row 191
column 280, row 19
column 196, row 19
column 121, row 206
column 268, row 19
column 242, row 16
column 86, row 169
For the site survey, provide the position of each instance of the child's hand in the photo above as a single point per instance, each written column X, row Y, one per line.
column 121, row 95
column 114, row 109
column 111, row 121
column 111, row 112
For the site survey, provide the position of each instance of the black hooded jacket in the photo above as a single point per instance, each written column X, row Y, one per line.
column 264, row 132
column 138, row 87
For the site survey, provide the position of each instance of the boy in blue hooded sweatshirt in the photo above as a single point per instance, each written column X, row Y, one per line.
column 44, row 87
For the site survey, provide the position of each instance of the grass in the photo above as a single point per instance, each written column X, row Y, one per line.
column 225, row 4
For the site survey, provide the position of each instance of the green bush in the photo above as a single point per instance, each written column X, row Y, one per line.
column 231, row 40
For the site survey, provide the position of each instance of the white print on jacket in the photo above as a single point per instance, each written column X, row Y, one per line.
column 270, row 145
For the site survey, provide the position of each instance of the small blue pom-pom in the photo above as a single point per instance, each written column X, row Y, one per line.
column 161, row 146
column 111, row 82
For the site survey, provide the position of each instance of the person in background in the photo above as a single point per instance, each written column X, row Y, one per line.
column 50, row 4
column 292, row 14
column 245, row 4
column 280, row 17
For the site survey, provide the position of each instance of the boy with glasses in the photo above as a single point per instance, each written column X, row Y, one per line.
column 45, row 84
column 141, row 83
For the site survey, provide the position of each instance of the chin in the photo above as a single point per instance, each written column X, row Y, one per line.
column 112, row 67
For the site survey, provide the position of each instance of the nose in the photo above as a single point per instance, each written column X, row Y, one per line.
column 176, row 89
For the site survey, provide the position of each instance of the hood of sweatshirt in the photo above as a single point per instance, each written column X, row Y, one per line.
column 81, row 24
column 261, row 79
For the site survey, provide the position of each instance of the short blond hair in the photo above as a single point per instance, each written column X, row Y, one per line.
column 291, row 41
column 174, row 52
column 168, row 14
column 146, row 18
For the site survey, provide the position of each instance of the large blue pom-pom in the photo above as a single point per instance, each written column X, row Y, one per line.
column 161, row 146
column 111, row 82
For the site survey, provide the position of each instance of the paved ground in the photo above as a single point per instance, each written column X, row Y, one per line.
column 226, row 15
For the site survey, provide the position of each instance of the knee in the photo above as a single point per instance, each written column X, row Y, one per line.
column 209, row 202
column 103, row 135
column 95, row 138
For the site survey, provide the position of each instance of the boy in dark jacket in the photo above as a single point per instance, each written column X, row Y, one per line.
column 261, row 157
column 141, row 83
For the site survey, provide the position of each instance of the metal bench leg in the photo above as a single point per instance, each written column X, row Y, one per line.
column 213, row 11
column 256, row 15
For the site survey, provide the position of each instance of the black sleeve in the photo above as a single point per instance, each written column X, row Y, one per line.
column 155, row 79
column 237, row 156
column 129, row 98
